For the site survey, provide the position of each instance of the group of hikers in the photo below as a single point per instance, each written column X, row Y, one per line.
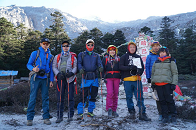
column 161, row 72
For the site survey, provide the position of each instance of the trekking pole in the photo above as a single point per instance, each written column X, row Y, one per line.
column 139, row 86
column 101, row 94
column 68, row 96
column 83, row 94
column 60, row 98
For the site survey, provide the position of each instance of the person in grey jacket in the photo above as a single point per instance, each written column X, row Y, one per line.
column 65, row 68
column 164, row 78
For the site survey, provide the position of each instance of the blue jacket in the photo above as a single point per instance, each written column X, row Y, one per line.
column 42, row 62
column 90, row 64
column 151, row 58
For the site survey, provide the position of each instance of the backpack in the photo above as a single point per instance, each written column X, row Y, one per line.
column 73, row 55
column 38, row 52
column 34, row 65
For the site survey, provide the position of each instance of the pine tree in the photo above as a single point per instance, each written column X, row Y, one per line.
column 119, row 39
column 146, row 30
column 167, row 35
column 58, row 34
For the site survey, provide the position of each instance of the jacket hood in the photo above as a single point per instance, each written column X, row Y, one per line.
column 164, row 58
column 128, row 48
column 113, row 47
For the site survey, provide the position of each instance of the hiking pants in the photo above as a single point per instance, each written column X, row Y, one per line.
column 61, row 99
column 34, row 87
column 112, row 93
column 134, row 87
column 165, row 94
column 92, row 92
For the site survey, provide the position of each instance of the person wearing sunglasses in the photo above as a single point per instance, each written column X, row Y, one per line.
column 89, row 63
column 65, row 68
column 112, row 79
column 40, row 64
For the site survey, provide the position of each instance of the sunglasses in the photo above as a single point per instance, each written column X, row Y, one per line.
column 90, row 45
column 114, row 49
column 45, row 43
column 65, row 46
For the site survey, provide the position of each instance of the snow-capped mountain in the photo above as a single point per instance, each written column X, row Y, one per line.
column 39, row 18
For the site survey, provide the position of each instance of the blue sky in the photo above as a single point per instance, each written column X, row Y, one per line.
column 112, row 10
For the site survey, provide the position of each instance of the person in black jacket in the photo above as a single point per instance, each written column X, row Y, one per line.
column 112, row 79
column 132, row 68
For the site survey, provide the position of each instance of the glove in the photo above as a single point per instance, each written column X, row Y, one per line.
column 132, row 67
column 173, row 87
column 105, row 81
column 81, row 71
column 153, row 87
column 60, row 75
column 69, row 74
column 149, row 80
column 138, row 72
column 121, row 82
column 100, row 69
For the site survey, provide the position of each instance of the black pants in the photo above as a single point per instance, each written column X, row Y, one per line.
column 165, row 94
column 89, row 91
column 61, row 87
column 159, row 107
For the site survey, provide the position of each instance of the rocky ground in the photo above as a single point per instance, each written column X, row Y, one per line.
column 123, row 122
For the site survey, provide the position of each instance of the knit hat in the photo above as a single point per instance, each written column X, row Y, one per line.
column 128, row 47
column 112, row 46
column 155, row 43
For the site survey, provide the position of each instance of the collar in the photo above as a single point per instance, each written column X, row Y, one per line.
column 164, row 58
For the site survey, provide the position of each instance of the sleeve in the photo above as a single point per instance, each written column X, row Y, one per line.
column 174, row 71
column 104, row 67
column 152, row 74
column 142, row 69
column 74, row 70
column 122, row 66
column 54, row 65
column 79, row 61
column 31, row 60
column 99, row 61
column 51, row 71
column 148, row 73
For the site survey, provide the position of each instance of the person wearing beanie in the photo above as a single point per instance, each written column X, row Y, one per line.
column 89, row 63
column 41, row 77
column 164, row 78
column 151, row 58
column 112, row 79
column 65, row 68
column 131, row 72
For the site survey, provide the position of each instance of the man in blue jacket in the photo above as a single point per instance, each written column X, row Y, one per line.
column 151, row 58
column 42, row 76
column 88, row 64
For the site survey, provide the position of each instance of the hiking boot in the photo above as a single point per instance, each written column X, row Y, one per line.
column 115, row 114
column 70, row 119
column 165, row 120
column 160, row 117
column 144, row 117
column 90, row 114
column 132, row 114
column 29, row 122
column 109, row 113
column 79, row 116
column 47, row 121
column 59, row 120
column 173, row 120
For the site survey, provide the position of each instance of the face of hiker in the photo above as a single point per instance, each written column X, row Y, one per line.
column 90, row 46
column 65, row 47
column 155, row 48
column 132, row 48
column 162, row 54
column 45, row 45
